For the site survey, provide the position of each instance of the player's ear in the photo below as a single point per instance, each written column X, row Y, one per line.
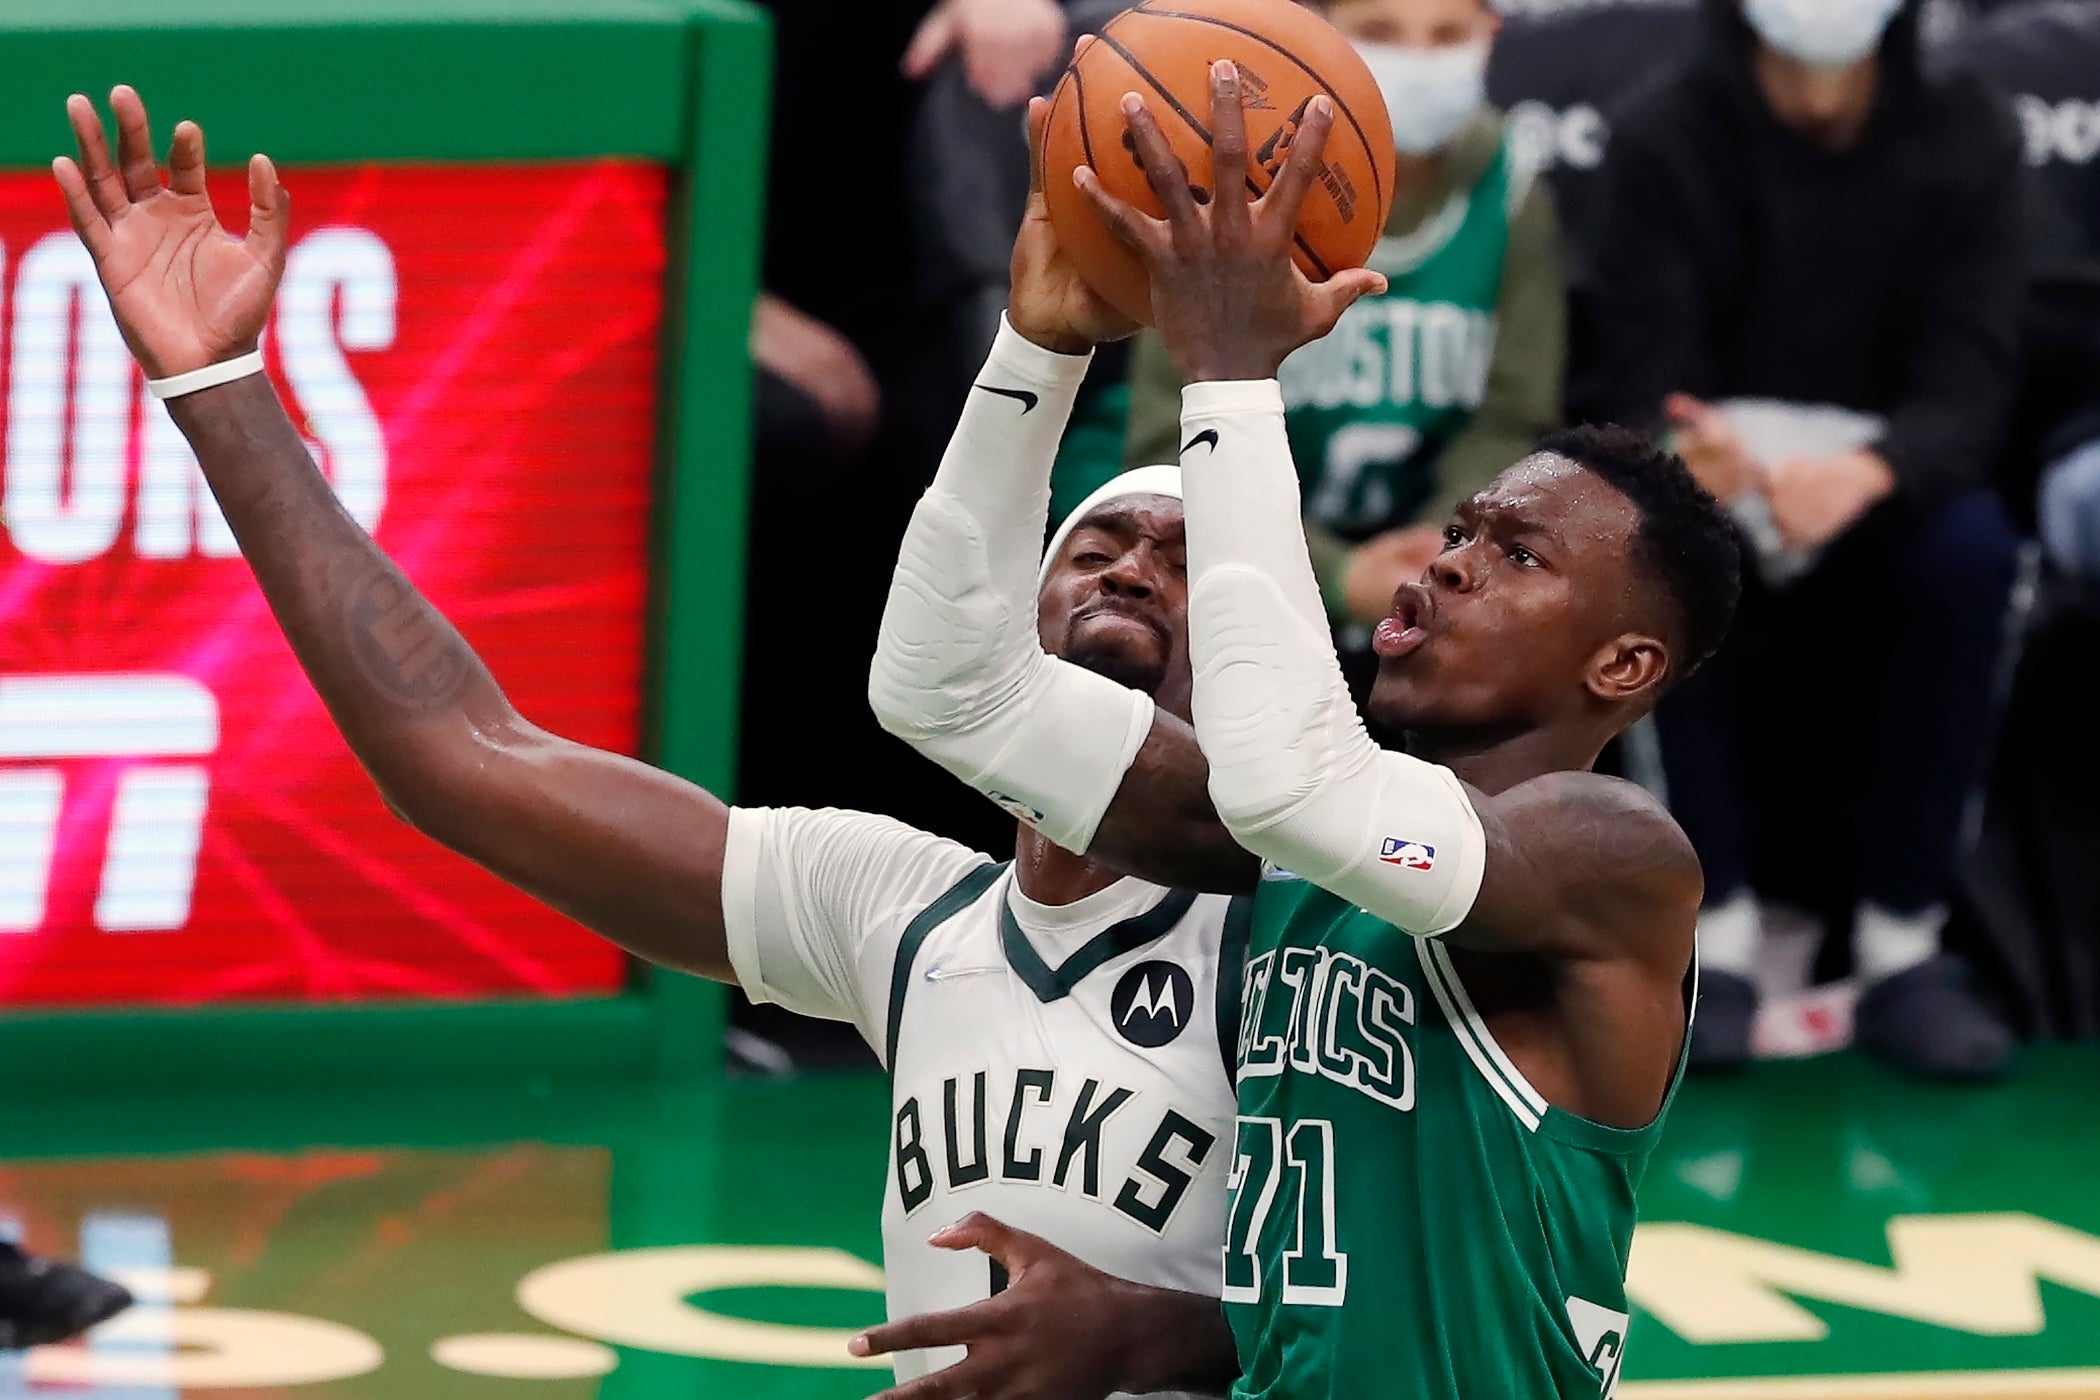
column 1627, row 666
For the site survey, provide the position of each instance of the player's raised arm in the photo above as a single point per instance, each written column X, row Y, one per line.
column 1294, row 773
column 960, row 672
column 633, row 853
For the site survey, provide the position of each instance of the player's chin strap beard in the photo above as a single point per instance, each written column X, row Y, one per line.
column 1124, row 670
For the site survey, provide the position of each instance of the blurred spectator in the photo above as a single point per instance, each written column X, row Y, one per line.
column 2046, row 57
column 819, row 365
column 850, row 414
column 1560, row 113
column 980, row 61
column 2030, row 899
column 1005, row 45
column 2070, row 510
column 1420, row 396
column 1812, row 270
column 976, row 62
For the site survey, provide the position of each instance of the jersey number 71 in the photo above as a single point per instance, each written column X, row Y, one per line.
column 1297, row 1165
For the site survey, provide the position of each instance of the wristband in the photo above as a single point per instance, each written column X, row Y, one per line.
column 210, row 377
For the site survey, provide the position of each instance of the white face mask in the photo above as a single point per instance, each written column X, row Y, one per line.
column 1429, row 93
column 1822, row 33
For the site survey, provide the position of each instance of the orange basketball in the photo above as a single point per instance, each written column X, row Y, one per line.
column 1162, row 50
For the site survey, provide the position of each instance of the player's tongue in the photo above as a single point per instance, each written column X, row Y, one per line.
column 1406, row 630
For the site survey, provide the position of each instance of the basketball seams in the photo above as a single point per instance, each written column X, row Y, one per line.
column 1363, row 138
column 1161, row 88
column 1182, row 111
column 1086, row 141
column 1126, row 287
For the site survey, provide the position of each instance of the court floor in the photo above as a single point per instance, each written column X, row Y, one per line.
column 1814, row 1231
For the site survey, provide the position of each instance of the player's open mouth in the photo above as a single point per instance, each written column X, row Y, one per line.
column 1402, row 634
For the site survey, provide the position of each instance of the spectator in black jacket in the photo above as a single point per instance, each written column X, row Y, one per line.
column 1812, row 273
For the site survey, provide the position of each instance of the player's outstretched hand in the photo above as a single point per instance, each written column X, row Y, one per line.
column 1059, row 1331
column 1051, row 303
column 186, row 293
column 1226, row 296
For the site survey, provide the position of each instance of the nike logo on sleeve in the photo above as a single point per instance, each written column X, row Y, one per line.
column 937, row 973
column 1022, row 397
column 1207, row 438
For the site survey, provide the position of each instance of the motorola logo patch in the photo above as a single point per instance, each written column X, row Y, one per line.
column 1153, row 1003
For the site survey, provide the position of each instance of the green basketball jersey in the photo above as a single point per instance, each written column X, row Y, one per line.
column 1409, row 1219
column 1369, row 407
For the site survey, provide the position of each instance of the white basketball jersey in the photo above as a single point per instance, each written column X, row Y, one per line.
column 1080, row 1095
column 1062, row 1069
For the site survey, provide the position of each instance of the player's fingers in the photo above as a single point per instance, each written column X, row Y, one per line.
column 1038, row 125
column 953, row 1328
column 1131, row 227
column 1228, row 151
column 1342, row 291
column 1304, row 164
column 993, row 1236
column 105, row 186
column 966, row 1378
column 1164, row 171
column 186, row 159
column 269, row 212
column 80, row 205
column 134, row 144
column 974, row 1231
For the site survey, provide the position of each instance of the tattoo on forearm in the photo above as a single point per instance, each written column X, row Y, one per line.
column 403, row 646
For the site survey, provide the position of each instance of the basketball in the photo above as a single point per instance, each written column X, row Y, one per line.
column 1162, row 50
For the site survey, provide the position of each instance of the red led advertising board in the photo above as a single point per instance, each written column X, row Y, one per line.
column 473, row 354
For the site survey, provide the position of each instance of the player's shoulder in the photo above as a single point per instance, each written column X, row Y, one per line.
column 863, row 842
column 1581, row 790
column 1283, row 895
column 1611, row 876
column 1219, row 922
column 1627, row 830
column 845, row 824
column 1207, row 908
column 1165, row 909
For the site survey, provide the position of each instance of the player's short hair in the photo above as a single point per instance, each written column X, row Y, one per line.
column 1687, row 542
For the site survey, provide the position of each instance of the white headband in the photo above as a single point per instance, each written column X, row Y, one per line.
column 1144, row 481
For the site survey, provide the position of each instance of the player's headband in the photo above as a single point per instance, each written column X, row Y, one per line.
column 1145, row 481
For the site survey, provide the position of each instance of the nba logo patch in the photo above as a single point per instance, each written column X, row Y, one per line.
column 1409, row 855
column 1015, row 808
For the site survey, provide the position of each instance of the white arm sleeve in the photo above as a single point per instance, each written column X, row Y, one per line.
column 1294, row 774
column 814, row 903
column 960, row 673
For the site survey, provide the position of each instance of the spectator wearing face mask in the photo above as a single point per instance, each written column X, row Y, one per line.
column 1420, row 396
column 1812, row 270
